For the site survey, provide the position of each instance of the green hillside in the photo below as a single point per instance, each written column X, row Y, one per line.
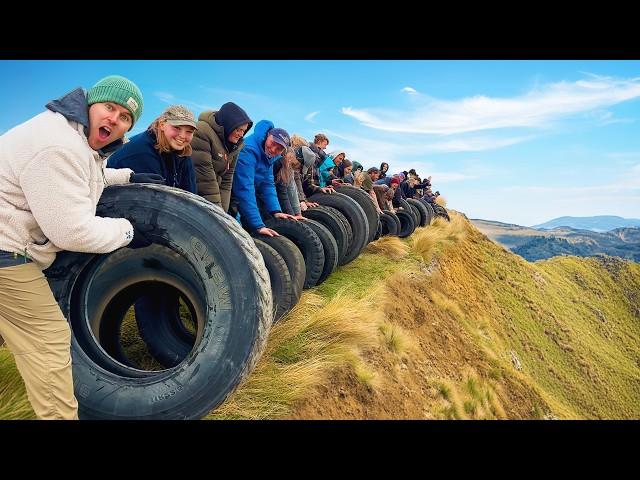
column 446, row 324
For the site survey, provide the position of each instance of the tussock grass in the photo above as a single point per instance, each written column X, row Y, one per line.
column 392, row 247
column 440, row 200
column 428, row 241
column 394, row 337
column 314, row 337
column 446, row 304
column 14, row 404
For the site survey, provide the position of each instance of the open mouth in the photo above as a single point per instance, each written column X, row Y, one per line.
column 103, row 133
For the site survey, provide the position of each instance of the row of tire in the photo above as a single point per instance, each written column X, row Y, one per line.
column 333, row 234
column 233, row 285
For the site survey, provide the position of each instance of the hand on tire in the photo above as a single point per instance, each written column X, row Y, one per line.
column 284, row 216
column 140, row 238
column 327, row 190
column 147, row 178
column 268, row 232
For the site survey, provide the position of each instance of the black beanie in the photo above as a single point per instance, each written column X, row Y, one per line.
column 229, row 117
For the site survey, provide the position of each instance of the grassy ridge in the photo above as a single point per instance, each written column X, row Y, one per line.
column 446, row 324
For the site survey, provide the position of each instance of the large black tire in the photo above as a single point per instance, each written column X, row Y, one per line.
column 422, row 210
column 216, row 267
column 293, row 258
column 345, row 223
column 329, row 218
column 354, row 214
column 432, row 214
column 395, row 218
column 368, row 207
column 407, row 208
column 389, row 225
column 307, row 241
column 406, row 222
column 329, row 246
column 281, row 284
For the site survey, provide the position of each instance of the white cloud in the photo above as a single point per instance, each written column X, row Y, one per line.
column 410, row 91
column 310, row 116
column 171, row 99
column 538, row 108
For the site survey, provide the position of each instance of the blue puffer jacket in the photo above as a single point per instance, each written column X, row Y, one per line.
column 254, row 177
column 140, row 155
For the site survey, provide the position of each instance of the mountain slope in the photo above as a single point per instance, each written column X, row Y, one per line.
column 498, row 337
column 600, row 223
column 448, row 324
column 538, row 244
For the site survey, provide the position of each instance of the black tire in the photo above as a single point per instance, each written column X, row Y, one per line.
column 345, row 223
column 217, row 268
column 432, row 214
column 440, row 211
column 329, row 218
column 378, row 231
column 354, row 214
column 307, row 241
column 395, row 218
column 422, row 210
column 389, row 225
column 329, row 246
column 280, row 279
column 293, row 258
column 368, row 207
column 407, row 223
column 407, row 208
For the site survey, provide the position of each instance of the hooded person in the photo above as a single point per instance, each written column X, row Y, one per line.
column 334, row 159
column 254, row 193
column 216, row 146
column 53, row 174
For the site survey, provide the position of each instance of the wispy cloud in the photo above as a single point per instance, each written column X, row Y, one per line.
column 538, row 108
column 171, row 99
column 371, row 152
column 309, row 117
column 410, row 91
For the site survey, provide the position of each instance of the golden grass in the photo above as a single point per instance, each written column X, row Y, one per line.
column 440, row 200
column 392, row 247
column 314, row 337
column 394, row 337
column 427, row 241
column 14, row 404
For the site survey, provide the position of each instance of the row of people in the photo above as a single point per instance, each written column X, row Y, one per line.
column 54, row 167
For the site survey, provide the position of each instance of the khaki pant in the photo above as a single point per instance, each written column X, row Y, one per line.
column 39, row 337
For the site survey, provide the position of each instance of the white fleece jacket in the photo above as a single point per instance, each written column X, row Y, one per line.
column 50, row 183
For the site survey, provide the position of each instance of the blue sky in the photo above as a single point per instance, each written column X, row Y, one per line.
column 514, row 141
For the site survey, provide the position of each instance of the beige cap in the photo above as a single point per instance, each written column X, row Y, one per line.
column 179, row 115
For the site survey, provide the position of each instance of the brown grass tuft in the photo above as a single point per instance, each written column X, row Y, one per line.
column 314, row 337
column 391, row 247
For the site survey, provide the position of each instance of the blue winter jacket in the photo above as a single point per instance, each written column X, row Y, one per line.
column 254, row 177
column 140, row 155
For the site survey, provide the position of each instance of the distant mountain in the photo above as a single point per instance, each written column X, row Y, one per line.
column 538, row 244
column 600, row 223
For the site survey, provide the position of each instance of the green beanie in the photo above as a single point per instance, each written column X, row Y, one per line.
column 120, row 90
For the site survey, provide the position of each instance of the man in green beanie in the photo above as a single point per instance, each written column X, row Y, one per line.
column 51, row 178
